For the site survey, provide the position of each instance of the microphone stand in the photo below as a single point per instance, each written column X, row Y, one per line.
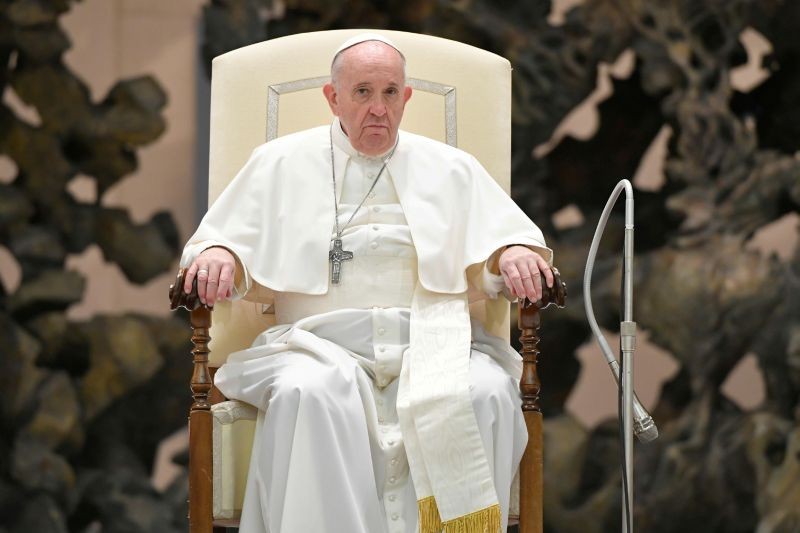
column 627, row 345
column 623, row 372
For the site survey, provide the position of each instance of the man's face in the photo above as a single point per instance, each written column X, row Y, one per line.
column 369, row 95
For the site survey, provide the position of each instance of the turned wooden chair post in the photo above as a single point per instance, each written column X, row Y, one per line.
column 200, row 418
column 531, row 482
column 200, row 427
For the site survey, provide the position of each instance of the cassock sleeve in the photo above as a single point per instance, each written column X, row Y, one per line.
column 484, row 279
column 459, row 216
column 495, row 222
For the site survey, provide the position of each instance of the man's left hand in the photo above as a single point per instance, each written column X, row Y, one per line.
column 522, row 270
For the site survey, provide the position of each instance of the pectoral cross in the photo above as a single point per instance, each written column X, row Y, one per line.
column 336, row 256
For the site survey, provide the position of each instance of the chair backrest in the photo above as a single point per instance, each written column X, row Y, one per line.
column 462, row 96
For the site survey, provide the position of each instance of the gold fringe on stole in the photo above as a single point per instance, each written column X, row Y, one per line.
column 483, row 521
column 429, row 519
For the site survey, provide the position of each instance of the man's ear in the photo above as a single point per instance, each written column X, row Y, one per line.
column 406, row 93
column 330, row 95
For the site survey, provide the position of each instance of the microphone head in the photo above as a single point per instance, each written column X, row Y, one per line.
column 646, row 431
column 648, row 434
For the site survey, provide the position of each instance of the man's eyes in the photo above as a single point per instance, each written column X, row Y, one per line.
column 364, row 91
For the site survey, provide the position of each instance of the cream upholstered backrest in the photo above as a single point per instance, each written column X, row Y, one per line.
column 462, row 96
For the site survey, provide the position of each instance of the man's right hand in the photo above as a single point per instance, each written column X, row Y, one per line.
column 214, row 268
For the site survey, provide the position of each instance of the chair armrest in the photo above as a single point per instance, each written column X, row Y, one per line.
column 555, row 295
column 529, row 322
column 178, row 298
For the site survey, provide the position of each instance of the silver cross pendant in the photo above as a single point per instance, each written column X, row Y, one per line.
column 336, row 256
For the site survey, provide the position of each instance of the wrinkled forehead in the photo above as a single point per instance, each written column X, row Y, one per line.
column 370, row 58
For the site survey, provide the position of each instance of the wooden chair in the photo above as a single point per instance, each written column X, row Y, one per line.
column 259, row 92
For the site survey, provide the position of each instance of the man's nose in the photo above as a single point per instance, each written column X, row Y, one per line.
column 377, row 108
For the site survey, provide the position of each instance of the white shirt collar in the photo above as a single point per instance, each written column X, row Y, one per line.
column 341, row 140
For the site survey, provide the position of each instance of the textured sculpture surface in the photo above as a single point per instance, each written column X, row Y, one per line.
column 75, row 450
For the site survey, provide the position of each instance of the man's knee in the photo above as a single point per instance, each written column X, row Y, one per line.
column 490, row 385
column 309, row 382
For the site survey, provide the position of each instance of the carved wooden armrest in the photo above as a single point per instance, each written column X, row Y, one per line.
column 178, row 298
column 200, row 319
column 528, row 323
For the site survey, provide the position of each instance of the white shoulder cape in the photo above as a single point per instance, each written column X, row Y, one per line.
column 277, row 214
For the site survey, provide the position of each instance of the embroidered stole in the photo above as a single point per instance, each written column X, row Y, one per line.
column 448, row 463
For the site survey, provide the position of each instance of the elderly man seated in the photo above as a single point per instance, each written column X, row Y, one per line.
column 388, row 410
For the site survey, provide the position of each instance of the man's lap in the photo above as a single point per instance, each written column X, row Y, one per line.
column 307, row 374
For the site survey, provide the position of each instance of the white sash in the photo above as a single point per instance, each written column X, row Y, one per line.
column 448, row 463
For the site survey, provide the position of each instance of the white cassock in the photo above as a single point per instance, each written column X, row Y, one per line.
column 330, row 456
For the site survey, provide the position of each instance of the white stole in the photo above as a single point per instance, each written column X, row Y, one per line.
column 449, row 467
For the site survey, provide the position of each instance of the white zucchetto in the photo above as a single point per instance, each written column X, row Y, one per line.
column 362, row 38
